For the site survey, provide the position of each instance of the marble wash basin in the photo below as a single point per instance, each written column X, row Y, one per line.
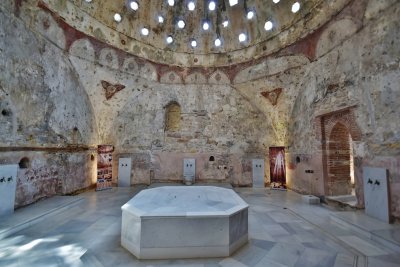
column 184, row 222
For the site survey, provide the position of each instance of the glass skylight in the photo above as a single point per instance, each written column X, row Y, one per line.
column 250, row 14
column 211, row 5
column 233, row 2
column 191, row 6
column 242, row 37
column 169, row 39
column 268, row 25
column 181, row 24
column 117, row 17
column 134, row 5
column 295, row 7
column 144, row 31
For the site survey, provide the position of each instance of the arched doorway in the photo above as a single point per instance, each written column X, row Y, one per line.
column 342, row 175
column 339, row 161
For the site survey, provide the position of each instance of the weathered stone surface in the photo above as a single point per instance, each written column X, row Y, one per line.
column 96, row 20
column 43, row 105
column 111, row 89
column 361, row 71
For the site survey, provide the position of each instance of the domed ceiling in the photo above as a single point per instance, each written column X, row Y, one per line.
column 175, row 32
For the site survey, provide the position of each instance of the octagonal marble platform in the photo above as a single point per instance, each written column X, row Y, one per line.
column 184, row 222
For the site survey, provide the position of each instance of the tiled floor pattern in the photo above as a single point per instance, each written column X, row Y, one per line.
column 283, row 232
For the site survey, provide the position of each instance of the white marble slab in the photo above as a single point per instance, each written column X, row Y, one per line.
column 184, row 222
column 8, row 184
column 309, row 199
column 189, row 170
column 124, row 172
column 258, row 172
column 195, row 201
column 363, row 246
column 376, row 193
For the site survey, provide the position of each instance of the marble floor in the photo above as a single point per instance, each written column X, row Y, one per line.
column 283, row 231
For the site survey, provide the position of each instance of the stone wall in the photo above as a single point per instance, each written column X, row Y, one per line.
column 361, row 73
column 351, row 63
column 46, row 117
column 214, row 117
column 161, row 166
column 49, row 173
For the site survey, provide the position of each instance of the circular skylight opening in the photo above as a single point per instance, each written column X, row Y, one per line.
column 295, row 7
column 276, row 1
column 268, row 25
column 181, row 24
column 144, row 31
column 217, row 42
column 134, row 5
column 193, row 43
column 225, row 23
column 191, row 6
column 233, row 2
column 206, row 26
column 250, row 14
column 169, row 39
column 171, row 2
column 242, row 37
column 160, row 19
column 117, row 17
column 211, row 5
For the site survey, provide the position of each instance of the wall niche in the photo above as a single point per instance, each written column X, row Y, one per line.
column 173, row 117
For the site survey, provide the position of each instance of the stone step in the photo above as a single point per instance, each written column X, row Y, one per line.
column 342, row 203
column 387, row 235
column 90, row 259
column 25, row 217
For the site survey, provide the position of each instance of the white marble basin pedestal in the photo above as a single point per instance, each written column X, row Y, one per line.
column 184, row 222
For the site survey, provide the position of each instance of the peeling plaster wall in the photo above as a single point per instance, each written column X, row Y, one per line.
column 45, row 115
column 362, row 70
column 215, row 120
column 356, row 65
column 50, row 173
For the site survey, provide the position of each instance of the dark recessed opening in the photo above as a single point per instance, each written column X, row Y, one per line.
column 5, row 112
column 92, row 157
column 24, row 163
column 212, row 158
column 75, row 129
column 297, row 159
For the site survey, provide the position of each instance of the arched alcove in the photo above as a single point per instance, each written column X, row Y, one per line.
column 339, row 178
column 24, row 163
column 172, row 117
